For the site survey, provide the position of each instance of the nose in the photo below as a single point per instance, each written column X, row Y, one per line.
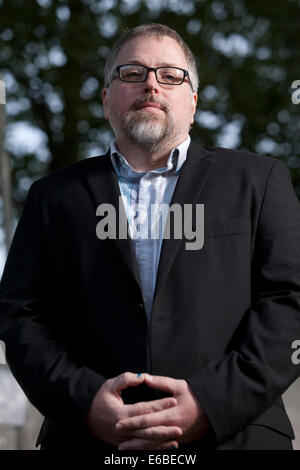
column 151, row 84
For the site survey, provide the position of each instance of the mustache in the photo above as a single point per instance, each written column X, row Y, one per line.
column 149, row 99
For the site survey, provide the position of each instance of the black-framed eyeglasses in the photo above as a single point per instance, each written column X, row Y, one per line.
column 134, row 73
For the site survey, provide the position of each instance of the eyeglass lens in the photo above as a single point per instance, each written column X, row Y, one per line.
column 137, row 73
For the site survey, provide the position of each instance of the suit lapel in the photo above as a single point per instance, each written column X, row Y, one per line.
column 103, row 183
column 191, row 182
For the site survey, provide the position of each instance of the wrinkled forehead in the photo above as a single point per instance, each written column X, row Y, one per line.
column 152, row 50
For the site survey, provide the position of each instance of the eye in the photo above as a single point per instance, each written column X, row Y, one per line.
column 170, row 75
column 132, row 73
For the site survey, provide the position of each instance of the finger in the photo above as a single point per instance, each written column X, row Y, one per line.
column 165, row 417
column 157, row 433
column 169, row 445
column 127, row 379
column 146, row 407
column 161, row 382
column 142, row 444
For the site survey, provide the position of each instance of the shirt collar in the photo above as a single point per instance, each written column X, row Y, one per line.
column 175, row 160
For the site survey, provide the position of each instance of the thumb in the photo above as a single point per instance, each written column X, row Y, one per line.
column 127, row 379
column 161, row 382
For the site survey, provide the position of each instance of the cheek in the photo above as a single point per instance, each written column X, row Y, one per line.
column 185, row 116
column 113, row 109
column 119, row 104
column 184, row 108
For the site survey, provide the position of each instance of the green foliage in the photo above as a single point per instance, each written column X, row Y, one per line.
column 52, row 55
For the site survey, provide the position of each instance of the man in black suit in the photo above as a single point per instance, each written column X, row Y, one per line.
column 146, row 343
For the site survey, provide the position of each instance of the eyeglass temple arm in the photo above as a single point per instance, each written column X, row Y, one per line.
column 112, row 77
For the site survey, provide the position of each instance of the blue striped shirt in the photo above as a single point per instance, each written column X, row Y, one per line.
column 147, row 188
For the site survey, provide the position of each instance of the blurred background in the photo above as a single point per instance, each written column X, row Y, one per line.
column 52, row 55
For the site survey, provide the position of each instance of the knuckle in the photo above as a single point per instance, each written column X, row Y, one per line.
column 172, row 422
column 183, row 383
column 150, row 433
column 143, row 422
column 108, row 383
column 175, row 433
column 164, row 403
column 170, row 402
column 126, row 376
column 145, row 408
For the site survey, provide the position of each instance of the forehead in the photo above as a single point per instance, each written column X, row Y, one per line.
column 152, row 50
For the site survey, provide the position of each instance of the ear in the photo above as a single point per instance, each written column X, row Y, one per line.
column 195, row 100
column 105, row 97
column 194, row 105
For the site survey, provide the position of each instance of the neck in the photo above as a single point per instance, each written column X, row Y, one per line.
column 145, row 160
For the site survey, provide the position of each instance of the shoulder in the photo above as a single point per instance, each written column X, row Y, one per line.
column 239, row 161
column 68, row 178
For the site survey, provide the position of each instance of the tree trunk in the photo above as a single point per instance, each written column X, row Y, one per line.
column 5, row 171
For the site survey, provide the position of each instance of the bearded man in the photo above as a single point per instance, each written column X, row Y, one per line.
column 138, row 342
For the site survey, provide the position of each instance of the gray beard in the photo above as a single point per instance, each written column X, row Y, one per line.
column 148, row 133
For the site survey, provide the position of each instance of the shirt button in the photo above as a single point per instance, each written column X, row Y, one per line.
column 143, row 256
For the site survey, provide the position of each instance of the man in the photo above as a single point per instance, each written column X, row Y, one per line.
column 138, row 342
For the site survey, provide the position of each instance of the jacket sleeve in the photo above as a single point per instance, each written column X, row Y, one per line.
column 58, row 385
column 257, row 366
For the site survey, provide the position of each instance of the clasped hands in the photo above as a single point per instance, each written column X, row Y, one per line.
column 157, row 424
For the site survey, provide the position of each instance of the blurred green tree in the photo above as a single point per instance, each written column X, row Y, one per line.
column 52, row 55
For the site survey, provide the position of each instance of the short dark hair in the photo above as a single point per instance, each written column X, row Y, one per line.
column 158, row 30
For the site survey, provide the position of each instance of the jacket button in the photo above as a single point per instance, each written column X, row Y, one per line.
column 140, row 307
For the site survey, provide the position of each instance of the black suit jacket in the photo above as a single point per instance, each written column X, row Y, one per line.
column 223, row 317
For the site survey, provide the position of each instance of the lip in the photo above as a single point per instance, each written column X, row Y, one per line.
column 150, row 105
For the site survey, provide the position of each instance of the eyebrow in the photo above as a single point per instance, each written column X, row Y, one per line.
column 162, row 64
